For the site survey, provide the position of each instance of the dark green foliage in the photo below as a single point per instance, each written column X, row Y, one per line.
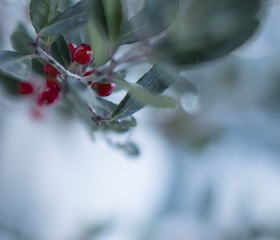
column 72, row 18
column 156, row 81
column 155, row 17
column 103, row 28
column 207, row 30
column 10, row 85
column 60, row 51
column 41, row 13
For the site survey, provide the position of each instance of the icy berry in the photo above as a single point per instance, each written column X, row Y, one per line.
column 25, row 88
column 103, row 89
column 48, row 96
column 50, row 71
column 72, row 48
column 83, row 54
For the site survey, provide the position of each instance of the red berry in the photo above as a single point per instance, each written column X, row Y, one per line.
column 50, row 71
column 104, row 89
column 48, row 97
column 53, row 84
column 25, row 88
column 83, row 54
column 89, row 73
column 72, row 48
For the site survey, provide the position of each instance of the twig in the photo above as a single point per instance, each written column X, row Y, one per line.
column 96, row 118
column 40, row 53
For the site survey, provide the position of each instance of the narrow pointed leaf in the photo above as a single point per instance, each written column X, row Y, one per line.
column 14, row 65
column 98, row 42
column 113, row 12
column 98, row 32
column 155, row 17
column 60, row 52
column 72, row 18
column 146, row 91
column 41, row 13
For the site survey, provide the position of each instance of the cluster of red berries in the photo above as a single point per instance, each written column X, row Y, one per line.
column 82, row 54
column 50, row 95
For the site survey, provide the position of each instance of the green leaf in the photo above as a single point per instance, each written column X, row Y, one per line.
column 41, row 13
column 10, row 85
column 21, row 27
column 146, row 91
column 105, row 108
column 85, row 94
column 20, row 40
column 113, row 12
column 98, row 33
column 14, row 65
column 155, row 17
column 60, row 52
column 123, row 124
column 209, row 29
column 72, row 18
column 101, row 106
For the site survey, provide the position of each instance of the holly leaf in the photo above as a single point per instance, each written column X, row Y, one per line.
column 209, row 29
column 41, row 13
column 72, row 18
column 60, row 52
column 145, row 91
column 155, row 17
column 14, row 65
